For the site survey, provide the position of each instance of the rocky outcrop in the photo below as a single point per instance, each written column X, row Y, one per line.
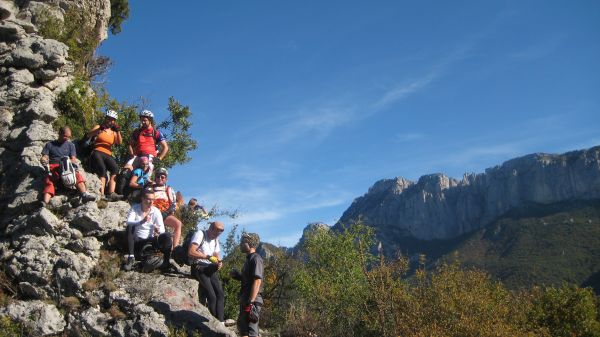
column 59, row 258
column 439, row 207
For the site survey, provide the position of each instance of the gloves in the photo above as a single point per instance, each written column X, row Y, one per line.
column 248, row 308
column 115, row 127
column 213, row 259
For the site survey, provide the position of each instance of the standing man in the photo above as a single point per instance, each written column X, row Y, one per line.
column 51, row 156
column 145, row 140
column 204, row 250
column 145, row 225
column 250, row 293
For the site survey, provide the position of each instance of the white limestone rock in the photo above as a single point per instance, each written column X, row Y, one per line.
column 42, row 318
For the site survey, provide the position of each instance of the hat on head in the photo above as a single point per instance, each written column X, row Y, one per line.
column 252, row 239
column 162, row 170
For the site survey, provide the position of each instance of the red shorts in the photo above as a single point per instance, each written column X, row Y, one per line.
column 51, row 181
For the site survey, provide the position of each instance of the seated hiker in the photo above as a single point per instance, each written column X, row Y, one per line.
column 166, row 201
column 52, row 154
column 140, row 178
column 204, row 252
column 145, row 226
column 105, row 136
column 145, row 140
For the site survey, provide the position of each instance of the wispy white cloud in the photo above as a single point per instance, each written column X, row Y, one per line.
column 538, row 50
column 408, row 137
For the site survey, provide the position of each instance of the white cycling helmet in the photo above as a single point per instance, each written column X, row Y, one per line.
column 146, row 113
column 111, row 114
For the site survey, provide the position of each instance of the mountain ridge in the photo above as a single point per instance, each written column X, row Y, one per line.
column 440, row 207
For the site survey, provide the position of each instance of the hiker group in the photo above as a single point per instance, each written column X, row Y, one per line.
column 143, row 182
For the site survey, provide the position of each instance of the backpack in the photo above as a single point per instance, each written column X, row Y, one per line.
column 180, row 253
column 67, row 173
column 84, row 146
column 155, row 135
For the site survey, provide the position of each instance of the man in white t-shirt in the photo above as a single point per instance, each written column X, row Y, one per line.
column 205, row 253
column 145, row 225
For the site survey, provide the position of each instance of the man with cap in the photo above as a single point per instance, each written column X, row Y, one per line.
column 205, row 252
column 250, row 292
column 166, row 201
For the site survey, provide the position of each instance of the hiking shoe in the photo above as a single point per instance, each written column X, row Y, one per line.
column 114, row 197
column 128, row 266
column 168, row 268
column 85, row 197
column 43, row 204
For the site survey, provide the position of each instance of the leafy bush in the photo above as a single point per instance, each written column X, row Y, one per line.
column 119, row 12
column 566, row 311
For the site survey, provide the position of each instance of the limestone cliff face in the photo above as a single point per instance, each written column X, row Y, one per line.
column 439, row 207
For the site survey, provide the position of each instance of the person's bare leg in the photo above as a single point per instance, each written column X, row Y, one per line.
column 102, row 184
column 47, row 197
column 112, row 183
column 173, row 222
column 81, row 187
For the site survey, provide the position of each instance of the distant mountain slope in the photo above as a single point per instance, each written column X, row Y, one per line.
column 439, row 207
column 539, row 244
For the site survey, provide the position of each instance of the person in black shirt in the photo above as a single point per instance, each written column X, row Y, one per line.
column 251, row 278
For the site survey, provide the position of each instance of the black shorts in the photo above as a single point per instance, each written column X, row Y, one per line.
column 101, row 162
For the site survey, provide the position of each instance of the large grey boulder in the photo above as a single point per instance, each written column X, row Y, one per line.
column 173, row 297
column 41, row 318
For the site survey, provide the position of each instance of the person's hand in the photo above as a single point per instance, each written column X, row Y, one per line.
column 234, row 273
column 156, row 162
column 44, row 161
column 219, row 265
column 147, row 218
column 115, row 127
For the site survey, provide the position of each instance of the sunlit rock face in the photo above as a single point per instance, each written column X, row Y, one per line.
column 439, row 207
column 51, row 255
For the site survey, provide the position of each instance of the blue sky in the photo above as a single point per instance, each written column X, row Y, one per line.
column 300, row 106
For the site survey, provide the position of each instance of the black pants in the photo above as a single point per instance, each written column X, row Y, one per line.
column 209, row 284
column 101, row 162
column 163, row 243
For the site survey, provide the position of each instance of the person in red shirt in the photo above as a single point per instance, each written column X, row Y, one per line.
column 144, row 142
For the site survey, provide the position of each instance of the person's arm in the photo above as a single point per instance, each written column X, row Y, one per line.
column 133, row 181
column 164, row 148
column 44, row 159
column 158, row 220
column 132, row 218
column 193, row 252
column 118, row 138
column 73, row 154
column 254, row 290
column 94, row 131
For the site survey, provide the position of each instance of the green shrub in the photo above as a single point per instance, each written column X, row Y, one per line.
column 119, row 12
column 566, row 311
